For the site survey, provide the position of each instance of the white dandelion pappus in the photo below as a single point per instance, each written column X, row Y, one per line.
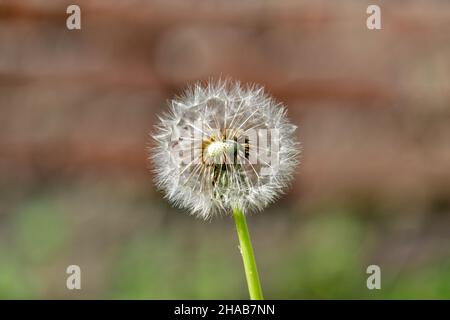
column 223, row 146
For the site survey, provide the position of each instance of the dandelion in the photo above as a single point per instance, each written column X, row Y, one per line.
column 225, row 148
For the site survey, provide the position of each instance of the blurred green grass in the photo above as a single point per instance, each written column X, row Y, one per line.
column 137, row 247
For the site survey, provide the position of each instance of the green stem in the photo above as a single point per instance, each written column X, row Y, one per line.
column 251, row 272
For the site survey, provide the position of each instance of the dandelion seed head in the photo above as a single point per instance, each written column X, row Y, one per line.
column 222, row 146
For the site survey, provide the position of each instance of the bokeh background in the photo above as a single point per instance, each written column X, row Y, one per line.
column 76, row 108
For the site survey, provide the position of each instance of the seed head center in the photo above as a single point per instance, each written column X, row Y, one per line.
column 218, row 149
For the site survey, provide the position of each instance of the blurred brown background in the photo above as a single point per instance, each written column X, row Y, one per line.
column 76, row 108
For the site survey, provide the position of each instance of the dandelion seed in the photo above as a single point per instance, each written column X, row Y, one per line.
column 209, row 156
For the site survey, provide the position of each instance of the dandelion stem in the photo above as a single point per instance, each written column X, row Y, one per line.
column 251, row 273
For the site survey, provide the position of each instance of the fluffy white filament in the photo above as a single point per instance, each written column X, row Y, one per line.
column 221, row 146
